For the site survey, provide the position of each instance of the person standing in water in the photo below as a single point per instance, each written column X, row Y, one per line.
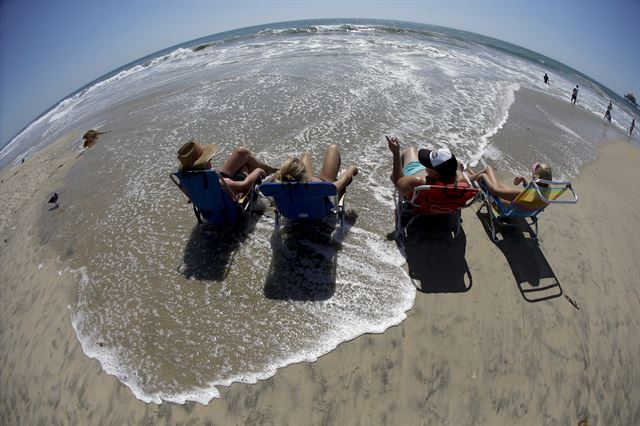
column 546, row 78
column 607, row 114
column 633, row 124
column 574, row 95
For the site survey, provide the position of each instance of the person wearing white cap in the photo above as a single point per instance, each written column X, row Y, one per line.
column 415, row 167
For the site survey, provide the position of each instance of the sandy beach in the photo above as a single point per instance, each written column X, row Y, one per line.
column 473, row 349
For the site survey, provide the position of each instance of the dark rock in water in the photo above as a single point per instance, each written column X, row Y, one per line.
column 90, row 137
column 54, row 198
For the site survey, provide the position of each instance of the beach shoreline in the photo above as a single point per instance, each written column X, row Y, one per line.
column 477, row 353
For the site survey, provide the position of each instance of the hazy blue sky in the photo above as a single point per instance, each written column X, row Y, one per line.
column 50, row 48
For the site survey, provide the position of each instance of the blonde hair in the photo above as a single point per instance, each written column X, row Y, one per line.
column 293, row 170
column 543, row 171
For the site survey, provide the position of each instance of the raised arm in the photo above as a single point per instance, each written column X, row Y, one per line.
column 394, row 147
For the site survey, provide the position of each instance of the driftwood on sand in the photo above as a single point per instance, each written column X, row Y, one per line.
column 90, row 137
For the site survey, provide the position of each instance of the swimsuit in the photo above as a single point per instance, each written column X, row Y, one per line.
column 239, row 177
column 412, row 168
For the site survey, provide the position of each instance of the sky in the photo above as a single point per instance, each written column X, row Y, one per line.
column 50, row 48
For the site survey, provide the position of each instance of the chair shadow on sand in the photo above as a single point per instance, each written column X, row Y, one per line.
column 436, row 260
column 304, row 260
column 210, row 249
column 533, row 274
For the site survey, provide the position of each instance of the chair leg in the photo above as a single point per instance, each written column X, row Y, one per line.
column 535, row 223
column 399, row 230
column 458, row 223
column 492, row 223
column 406, row 228
column 277, row 221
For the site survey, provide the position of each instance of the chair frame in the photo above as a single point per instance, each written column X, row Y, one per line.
column 510, row 212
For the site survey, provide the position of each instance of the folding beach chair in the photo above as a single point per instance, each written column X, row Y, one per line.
column 211, row 203
column 527, row 205
column 435, row 199
column 307, row 200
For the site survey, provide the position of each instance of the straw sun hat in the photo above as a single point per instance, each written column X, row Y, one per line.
column 195, row 155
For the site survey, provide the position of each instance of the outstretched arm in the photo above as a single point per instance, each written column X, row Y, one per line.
column 345, row 179
column 239, row 188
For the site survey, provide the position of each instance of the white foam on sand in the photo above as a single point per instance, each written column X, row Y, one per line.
column 372, row 293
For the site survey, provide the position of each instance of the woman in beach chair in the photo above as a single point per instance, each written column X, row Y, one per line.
column 508, row 193
column 504, row 202
column 217, row 193
column 416, row 167
column 239, row 172
column 428, row 182
column 301, row 170
column 299, row 194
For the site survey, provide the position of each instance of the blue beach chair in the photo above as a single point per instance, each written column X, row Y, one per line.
column 532, row 201
column 308, row 200
column 211, row 203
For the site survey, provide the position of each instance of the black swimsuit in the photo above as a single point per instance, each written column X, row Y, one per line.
column 238, row 177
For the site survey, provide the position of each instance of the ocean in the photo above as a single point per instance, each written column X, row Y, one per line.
column 175, row 311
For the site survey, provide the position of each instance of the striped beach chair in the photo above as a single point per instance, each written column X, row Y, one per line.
column 528, row 205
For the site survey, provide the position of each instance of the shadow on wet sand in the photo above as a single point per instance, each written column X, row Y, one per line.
column 436, row 260
column 304, row 261
column 210, row 249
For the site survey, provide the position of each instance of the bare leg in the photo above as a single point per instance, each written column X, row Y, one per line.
column 308, row 165
column 243, row 159
column 488, row 172
column 490, row 176
column 331, row 164
column 410, row 154
column 496, row 187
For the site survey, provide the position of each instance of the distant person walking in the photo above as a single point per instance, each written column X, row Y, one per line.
column 633, row 125
column 546, row 78
column 607, row 114
column 574, row 95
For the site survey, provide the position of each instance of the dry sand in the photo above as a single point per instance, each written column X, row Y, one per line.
column 473, row 350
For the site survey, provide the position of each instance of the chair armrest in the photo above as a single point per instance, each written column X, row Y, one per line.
column 174, row 178
column 566, row 184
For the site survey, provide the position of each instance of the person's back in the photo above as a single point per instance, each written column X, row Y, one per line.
column 416, row 167
column 301, row 170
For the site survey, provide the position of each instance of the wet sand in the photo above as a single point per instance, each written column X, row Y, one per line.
column 473, row 349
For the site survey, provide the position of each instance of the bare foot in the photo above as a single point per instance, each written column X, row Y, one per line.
column 470, row 172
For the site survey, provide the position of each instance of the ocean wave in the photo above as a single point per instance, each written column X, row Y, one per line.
column 350, row 28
